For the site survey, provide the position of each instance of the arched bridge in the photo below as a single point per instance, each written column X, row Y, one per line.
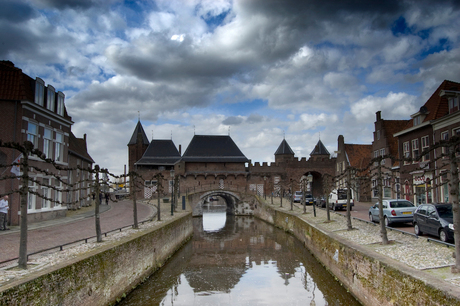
column 238, row 203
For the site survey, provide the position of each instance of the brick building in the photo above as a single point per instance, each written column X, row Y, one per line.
column 425, row 177
column 35, row 112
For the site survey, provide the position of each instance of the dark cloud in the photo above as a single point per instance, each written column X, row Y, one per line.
column 255, row 118
column 16, row 11
column 72, row 4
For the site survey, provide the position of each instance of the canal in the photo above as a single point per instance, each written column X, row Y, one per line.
column 240, row 261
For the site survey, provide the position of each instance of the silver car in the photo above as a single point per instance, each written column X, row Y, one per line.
column 394, row 211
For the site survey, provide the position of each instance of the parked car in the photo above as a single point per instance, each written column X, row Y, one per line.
column 435, row 219
column 309, row 200
column 394, row 211
column 297, row 196
column 338, row 199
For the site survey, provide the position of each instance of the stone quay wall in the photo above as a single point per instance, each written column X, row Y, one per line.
column 102, row 276
column 372, row 278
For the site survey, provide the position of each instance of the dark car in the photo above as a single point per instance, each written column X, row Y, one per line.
column 309, row 200
column 436, row 220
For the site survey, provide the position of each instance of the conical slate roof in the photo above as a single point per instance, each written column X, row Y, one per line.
column 139, row 130
column 320, row 149
column 206, row 148
column 284, row 148
column 160, row 152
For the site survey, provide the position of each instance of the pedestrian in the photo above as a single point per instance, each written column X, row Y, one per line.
column 4, row 213
column 100, row 198
column 106, row 198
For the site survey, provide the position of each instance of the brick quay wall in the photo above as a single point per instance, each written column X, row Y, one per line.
column 104, row 275
column 371, row 277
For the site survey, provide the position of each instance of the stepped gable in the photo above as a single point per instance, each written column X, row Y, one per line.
column 160, row 152
column 392, row 127
column 284, row 149
column 358, row 155
column 320, row 149
column 139, row 130
column 436, row 106
column 218, row 149
column 77, row 146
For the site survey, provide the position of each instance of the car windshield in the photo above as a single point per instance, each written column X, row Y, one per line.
column 298, row 193
column 445, row 211
column 308, row 196
column 401, row 204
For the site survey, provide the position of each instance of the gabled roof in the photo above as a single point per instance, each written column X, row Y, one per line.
column 320, row 149
column 436, row 106
column 284, row 149
column 77, row 147
column 358, row 155
column 139, row 130
column 206, row 148
column 392, row 127
column 160, row 152
column 14, row 85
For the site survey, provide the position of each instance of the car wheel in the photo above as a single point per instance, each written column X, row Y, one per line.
column 442, row 235
column 417, row 230
column 371, row 218
column 387, row 222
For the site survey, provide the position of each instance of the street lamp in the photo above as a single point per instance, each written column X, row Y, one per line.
column 303, row 181
column 172, row 191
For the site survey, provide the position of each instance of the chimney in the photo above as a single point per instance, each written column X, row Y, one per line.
column 180, row 150
column 378, row 115
column 84, row 137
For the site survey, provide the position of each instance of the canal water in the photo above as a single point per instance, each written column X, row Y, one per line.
column 240, row 261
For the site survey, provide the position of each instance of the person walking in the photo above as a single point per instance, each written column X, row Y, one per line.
column 4, row 213
column 106, row 198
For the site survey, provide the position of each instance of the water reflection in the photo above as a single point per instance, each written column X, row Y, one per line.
column 245, row 262
column 214, row 216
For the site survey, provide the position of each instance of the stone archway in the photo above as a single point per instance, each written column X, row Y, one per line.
column 235, row 204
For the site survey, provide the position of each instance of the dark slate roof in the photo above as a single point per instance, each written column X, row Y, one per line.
column 206, row 148
column 139, row 130
column 284, row 148
column 160, row 152
column 320, row 149
column 77, row 147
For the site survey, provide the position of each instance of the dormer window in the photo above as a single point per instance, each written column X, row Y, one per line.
column 453, row 104
column 39, row 91
column 50, row 101
column 417, row 120
column 60, row 104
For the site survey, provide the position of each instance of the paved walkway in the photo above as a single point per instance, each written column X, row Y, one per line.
column 47, row 234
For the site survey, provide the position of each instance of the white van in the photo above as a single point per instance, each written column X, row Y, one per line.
column 338, row 199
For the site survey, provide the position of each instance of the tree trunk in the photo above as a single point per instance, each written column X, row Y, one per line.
column 383, row 229
column 349, row 225
column 22, row 262
column 133, row 190
column 96, row 208
column 455, row 205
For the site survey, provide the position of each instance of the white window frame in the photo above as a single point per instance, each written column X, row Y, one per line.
column 46, row 193
column 444, row 136
column 39, row 92
column 32, row 133
column 58, row 147
column 60, row 103
column 415, row 148
column 48, row 142
column 382, row 153
column 406, row 151
column 31, row 197
column 57, row 194
column 425, row 145
column 50, row 98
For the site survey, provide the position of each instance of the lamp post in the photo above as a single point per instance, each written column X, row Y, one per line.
column 310, row 187
column 303, row 181
column 172, row 191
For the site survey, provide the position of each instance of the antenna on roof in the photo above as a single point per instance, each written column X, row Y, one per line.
column 284, row 135
column 139, row 115
column 228, row 131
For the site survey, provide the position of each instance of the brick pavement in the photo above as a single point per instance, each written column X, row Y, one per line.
column 48, row 234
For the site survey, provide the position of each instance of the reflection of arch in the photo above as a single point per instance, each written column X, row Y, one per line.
column 231, row 200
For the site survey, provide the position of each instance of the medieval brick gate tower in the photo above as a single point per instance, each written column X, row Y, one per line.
column 213, row 162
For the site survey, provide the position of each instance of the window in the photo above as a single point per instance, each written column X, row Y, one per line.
column 382, row 153
column 57, row 193
column 32, row 132
column 46, row 193
column 406, row 152
column 58, row 148
column 39, row 91
column 453, row 104
column 415, row 150
column 445, row 137
column 31, row 196
column 417, row 120
column 60, row 104
column 50, row 101
column 425, row 145
column 47, row 142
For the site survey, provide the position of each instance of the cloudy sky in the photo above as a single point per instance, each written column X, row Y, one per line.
column 260, row 70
